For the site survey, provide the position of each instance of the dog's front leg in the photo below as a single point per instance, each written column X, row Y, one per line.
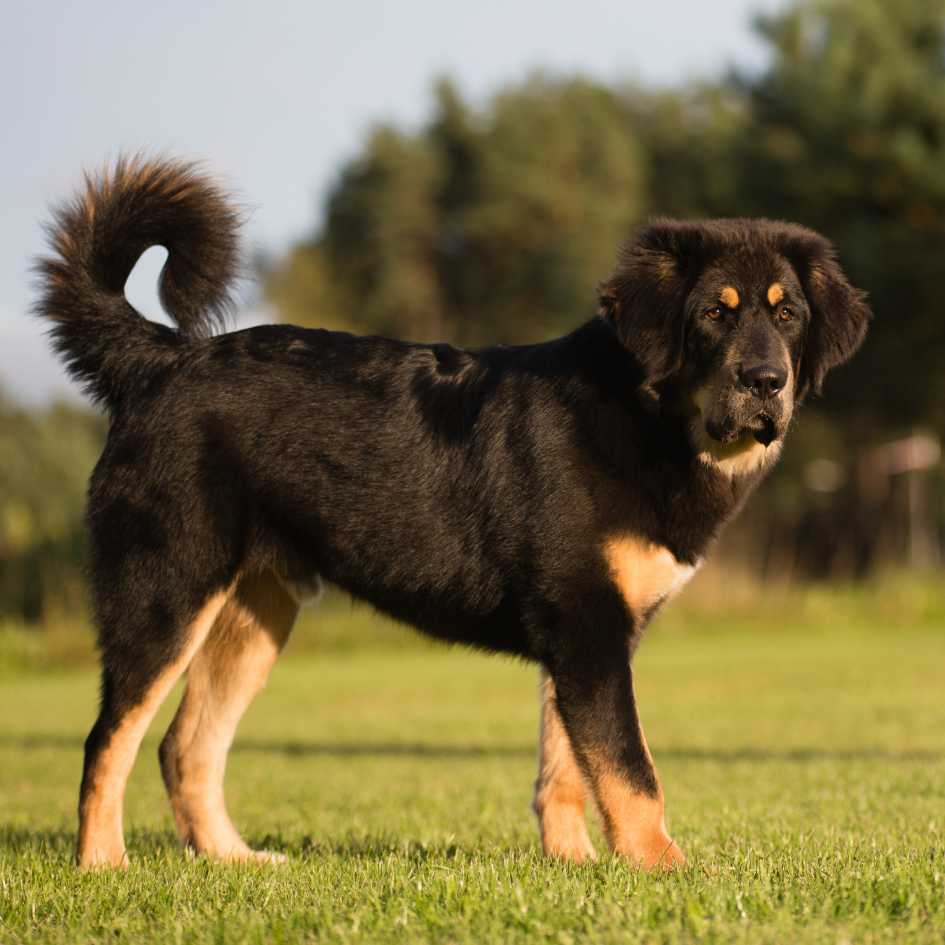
column 594, row 695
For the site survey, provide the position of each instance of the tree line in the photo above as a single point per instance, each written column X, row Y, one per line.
column 494, row 221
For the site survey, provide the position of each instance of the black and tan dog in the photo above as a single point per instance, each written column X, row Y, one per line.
column 542, row 500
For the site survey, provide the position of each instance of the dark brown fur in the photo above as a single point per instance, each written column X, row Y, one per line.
column 541, row 500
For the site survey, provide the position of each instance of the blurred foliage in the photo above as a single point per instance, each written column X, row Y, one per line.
column 494, row 221
column 47, row 458
column 847, row 134
column 483, row 227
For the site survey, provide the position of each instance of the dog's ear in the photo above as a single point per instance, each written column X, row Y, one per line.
column 644, row 298
column 839, row 312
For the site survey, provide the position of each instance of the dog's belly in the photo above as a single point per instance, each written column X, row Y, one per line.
column 646, row 574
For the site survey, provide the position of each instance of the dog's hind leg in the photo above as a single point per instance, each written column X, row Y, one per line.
column 560, row 790
column 136, row 679
column 223, row 678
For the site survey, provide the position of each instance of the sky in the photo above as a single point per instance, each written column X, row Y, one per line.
column 276, row 96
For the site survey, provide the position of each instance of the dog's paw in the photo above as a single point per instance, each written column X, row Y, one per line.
column 658, row 853
column 102, row 859
column 266, row 856
column 564, row 834
column 240, row 853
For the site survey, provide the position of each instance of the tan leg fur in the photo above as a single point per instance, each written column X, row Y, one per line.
column 560, row 791
column 101, row 839
column 223, row 678
column 634, row 822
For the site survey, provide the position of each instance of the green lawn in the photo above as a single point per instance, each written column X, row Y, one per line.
column 804, row 770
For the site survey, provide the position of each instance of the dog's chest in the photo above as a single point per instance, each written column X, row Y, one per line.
column 645, row 574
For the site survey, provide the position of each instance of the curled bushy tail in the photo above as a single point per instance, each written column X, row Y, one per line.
column 98, row 237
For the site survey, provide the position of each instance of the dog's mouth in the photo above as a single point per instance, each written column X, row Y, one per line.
column 763, row 429
column 728, row 431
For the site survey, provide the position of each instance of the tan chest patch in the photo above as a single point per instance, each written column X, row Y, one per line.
column 645, row 573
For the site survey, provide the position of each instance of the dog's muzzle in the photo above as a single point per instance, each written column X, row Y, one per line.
column 766, row 383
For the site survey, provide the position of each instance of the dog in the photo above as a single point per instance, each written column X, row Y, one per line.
column 542, row 500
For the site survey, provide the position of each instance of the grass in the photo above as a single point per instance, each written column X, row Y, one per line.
column 804, row 768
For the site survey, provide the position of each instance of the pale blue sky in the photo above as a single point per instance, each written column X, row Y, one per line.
column 275, row 95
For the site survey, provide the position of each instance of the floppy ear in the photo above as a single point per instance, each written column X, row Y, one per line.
column 839, row 313
column 644, row 298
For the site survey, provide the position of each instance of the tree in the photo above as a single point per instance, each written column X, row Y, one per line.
column 507, row 215
column 847, row 134
column 47, row 458
column 488, row 226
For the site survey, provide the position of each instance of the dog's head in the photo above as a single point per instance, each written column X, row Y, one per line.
column 733, row 322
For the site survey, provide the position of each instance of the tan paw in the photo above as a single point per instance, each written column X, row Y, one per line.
column 660, row 853
column 239, row 854
column 266, row 856
column 97, row 859
column 564, row 833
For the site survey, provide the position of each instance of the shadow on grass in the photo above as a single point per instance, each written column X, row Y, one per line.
column 797, row 755
column 17, row 840
column 423, row 750
column 59, row 845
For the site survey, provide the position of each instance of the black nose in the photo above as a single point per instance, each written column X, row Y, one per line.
column 763, row 380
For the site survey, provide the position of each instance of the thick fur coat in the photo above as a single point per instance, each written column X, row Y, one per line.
column 541, row 500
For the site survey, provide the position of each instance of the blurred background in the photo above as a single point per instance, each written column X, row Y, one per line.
column 440, row 171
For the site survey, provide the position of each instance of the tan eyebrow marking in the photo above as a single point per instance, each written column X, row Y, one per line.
column 729, row 297
column 775, row 293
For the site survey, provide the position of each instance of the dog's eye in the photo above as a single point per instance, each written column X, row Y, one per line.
column 785, row 313
column 714, row 313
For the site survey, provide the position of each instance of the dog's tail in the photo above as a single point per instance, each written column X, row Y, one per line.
column 98, row 237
